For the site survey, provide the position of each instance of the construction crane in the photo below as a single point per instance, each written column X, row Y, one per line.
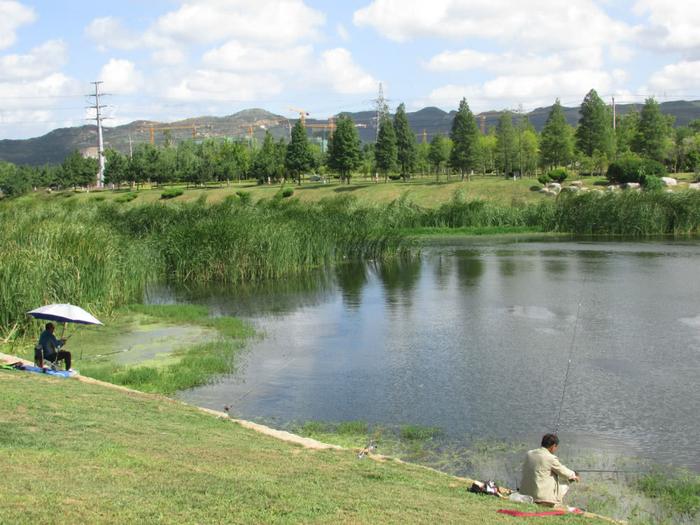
column 153, row 128
column 330, row 126
column 302, row 114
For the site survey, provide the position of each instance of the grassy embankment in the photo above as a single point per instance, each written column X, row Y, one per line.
column 640, row 493
column 426, row 191
column 74, row 452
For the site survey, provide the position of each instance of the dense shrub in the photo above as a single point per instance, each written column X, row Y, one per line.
column 632, row 169
column 245, row 197
column 171, row 193
column 127, row 197
column 651, row 183
column 287, row 192
column 544, row 179
column 558, row 175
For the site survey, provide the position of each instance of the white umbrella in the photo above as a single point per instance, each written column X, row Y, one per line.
column 64, row 313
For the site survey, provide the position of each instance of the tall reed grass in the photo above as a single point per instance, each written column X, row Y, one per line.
column 53, row 252
column 102, row 255
column 627, row 213
column 233, row 242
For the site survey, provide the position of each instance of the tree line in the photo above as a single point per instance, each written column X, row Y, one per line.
column 511, row 148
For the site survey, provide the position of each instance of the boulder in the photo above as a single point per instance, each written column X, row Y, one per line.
column 554, row 186
column 577, row 183
column 613, row 187
column 632, row 186
column 571, row 189
column 669, row 181
column 694, row 186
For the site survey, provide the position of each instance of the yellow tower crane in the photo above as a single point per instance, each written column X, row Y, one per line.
column 153, row 128
column 302, row 114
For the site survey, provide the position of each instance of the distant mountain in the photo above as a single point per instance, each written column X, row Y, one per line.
column 59, row 143
column 427, row 122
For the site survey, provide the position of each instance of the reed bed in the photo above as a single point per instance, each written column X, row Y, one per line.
column 629, row 213
column 58, row 252
column 103, row 255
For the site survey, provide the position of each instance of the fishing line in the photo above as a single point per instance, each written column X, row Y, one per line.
column 568, row 369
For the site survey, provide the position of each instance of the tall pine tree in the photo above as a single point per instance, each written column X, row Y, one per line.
column 344, row 152
column 652, row 132
column 556, row 141
column 385, row 152
column 299, row 157
column 465, row 136
column 594, row 132
column 405, row 143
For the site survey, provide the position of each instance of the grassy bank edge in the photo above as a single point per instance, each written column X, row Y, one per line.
column 114, row 472
column 190, row 366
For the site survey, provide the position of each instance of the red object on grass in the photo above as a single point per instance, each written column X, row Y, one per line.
column 520, row 514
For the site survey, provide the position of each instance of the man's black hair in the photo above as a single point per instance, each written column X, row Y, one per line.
column 48, row 325
column 549, row 439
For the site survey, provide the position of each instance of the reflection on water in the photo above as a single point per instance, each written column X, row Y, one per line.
column 474, row 337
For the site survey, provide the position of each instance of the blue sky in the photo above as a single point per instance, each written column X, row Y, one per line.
column 172, row 59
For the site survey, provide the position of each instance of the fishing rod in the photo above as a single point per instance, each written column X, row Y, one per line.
column 568, row 369
column 611, row 471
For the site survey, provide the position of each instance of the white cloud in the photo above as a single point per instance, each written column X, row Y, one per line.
column 39, row 62
column 206, row 21
column 342, row 32
column 168, row 56
column 121, row 77
column 234, row 56
column 537, row 25
column 468, row 59
column 345, row 76
column 516, row 63
column 672, row 25
column 24, row 95
column 109, row 32
column 225, row 86
column 12, row 16
column 530, row 90
column 676, row 78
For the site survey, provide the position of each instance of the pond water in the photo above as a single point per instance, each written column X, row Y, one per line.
column 474, row 337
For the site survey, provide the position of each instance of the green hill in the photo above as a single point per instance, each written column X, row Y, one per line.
column 252, row 124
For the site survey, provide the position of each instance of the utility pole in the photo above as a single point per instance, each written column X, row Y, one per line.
column 520, row 113
column 100, row 182
column 131, row 148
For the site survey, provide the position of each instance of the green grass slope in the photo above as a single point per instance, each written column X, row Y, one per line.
column 81, row 453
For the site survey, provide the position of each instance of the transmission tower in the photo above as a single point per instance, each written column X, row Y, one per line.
column 100, row 182
column 381, row 107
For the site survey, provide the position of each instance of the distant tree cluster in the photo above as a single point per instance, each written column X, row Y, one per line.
column 638, row 139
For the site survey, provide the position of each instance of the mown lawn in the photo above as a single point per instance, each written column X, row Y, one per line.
column 80, row 453
column 424, row 191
